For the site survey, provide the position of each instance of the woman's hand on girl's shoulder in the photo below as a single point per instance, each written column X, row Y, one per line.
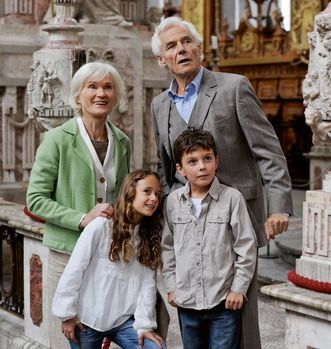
column 158, row 340
column 99, row 210
column 68, row 328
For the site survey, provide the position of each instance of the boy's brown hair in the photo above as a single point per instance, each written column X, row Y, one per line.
column 192, row 139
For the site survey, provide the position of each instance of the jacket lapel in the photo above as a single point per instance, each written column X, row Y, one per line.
column 206, row 95
column 119, row 149
column 78, row 144
column 164, row 116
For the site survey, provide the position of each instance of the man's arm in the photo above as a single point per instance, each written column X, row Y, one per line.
column 159, row 165
column 270, row 158
column 168, row 253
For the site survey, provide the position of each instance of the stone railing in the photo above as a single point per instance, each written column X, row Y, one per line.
column 23, row 280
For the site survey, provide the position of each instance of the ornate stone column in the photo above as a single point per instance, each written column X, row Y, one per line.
column 53, row 67
column 316, row 89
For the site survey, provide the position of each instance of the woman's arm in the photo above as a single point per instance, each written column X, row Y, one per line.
column 41, row 190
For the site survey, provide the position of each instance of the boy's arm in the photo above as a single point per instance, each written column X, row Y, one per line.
column 244, row 246
column 168, row 253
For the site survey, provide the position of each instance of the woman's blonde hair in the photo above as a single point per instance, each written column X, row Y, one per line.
column 149, row 248
column 98, row 71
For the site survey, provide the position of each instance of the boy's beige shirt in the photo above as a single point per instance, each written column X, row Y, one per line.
column 204, row 258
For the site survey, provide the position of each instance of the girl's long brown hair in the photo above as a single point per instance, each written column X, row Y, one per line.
column 149, row 248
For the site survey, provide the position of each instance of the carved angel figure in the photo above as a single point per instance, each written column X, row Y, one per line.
column 321, row 129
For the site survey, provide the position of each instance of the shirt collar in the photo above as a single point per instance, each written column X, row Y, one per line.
column 214, row 190
column 191, row 88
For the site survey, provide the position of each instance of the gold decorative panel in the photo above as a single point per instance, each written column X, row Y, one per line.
column 302, row 22
column 193, row 11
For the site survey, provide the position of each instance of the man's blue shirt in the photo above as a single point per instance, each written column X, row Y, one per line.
column 185, row 104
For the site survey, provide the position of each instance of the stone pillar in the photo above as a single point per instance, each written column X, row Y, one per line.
column 8, row 135
column 316, row 90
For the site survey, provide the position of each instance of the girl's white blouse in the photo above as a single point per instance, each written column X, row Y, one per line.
column 101, row 293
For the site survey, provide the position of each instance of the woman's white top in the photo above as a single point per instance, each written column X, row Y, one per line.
column 101, row 293
column 104, row 173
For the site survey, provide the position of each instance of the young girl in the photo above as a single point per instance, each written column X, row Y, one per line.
column 108, row 288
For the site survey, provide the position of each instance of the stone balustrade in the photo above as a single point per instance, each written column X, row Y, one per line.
column 32, row 327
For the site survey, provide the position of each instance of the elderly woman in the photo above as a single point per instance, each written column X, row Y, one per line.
column 79, row 168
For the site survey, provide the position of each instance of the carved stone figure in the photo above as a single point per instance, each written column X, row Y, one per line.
column 153, row 17
column 46, row 82
column 316, row 88
column 102, row 11
column 321, row 129
column 32, row 81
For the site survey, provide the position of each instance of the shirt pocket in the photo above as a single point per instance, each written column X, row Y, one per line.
column 218, row 228
column 183, row 230
column 179, row 218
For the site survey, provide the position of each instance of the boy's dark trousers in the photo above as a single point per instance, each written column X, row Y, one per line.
column 216, row 328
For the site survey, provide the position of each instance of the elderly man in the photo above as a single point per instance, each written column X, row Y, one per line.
column 249, row 151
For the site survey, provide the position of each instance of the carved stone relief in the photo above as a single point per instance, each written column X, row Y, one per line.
column 44, row 86
column 316, row 87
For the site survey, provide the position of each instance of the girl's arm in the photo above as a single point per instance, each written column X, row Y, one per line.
column 145, row 314
column 65, row 302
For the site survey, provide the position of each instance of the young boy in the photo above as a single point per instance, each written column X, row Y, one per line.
column 208, row 248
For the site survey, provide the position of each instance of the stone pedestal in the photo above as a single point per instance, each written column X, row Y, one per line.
column 315, row 262
column 320, row 162
column 308, row 315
